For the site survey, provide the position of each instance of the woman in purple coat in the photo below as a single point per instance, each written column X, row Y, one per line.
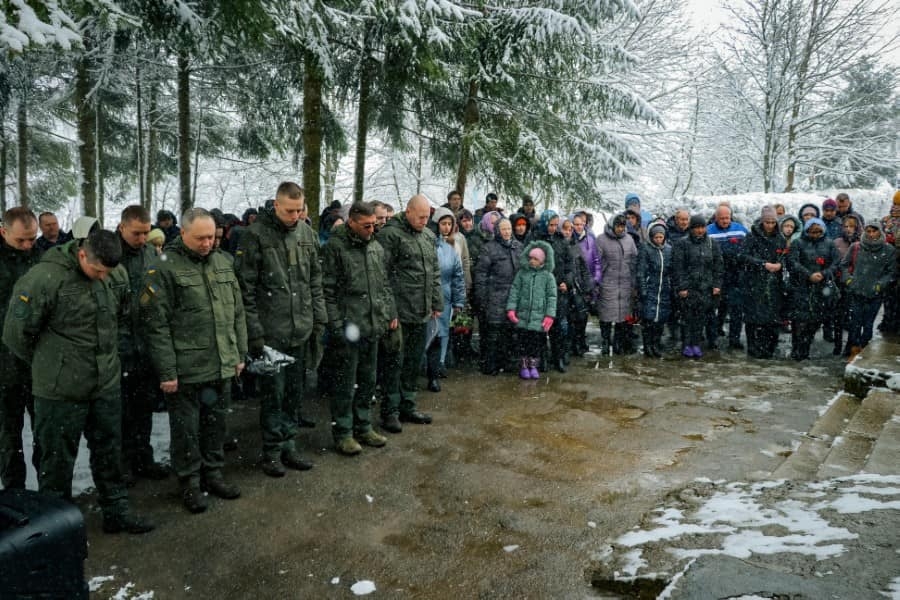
column 591, row 256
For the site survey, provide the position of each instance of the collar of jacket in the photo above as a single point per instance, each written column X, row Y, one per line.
column 269, row 219
column 177, row 246
column 127, row 249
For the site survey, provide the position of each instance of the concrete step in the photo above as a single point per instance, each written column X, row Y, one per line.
column 852, row 448
column 805, row 462
column 885, row 456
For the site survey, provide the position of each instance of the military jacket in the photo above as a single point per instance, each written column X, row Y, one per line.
column 66, row 326
column 136, row 262
column 355, row 284
column 193, row 316
column 13, row 264
column 412, row 269
column 281, row 282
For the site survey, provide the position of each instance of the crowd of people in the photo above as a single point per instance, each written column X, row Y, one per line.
column 102, row 326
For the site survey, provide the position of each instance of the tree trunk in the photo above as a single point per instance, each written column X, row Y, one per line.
column 87, row 145
column 367, row 68
column 139, row 114
column 150, row 171
column 2, row 168
column 197, row 151
column 184, row 132
column 101, row 188
column 313, row 82
column 470, row 122
column 22, row 131
column 329, row 177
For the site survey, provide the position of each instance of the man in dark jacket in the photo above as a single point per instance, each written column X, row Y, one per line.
column 168, row 223
column 50, row 232
column 193, row 319
column 360, row 309
column 62, row 319
column 140, row 385
column 415, row 280
column 281, row 282
column 729, row 235
column 17, row 255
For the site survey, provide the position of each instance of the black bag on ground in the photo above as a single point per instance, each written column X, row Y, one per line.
column 43, row 546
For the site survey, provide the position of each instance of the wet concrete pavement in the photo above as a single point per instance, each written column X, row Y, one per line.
column 509, row 494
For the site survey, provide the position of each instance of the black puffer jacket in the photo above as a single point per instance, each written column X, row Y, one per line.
column 763, row 289
column 812, row 301
column 697, row 267
column 494, row 274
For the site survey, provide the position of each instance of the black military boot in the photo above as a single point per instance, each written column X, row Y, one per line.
column 192, row 498
column 126, row 522
column 217, row 486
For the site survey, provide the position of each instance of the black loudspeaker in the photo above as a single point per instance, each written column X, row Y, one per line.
column 43, row 546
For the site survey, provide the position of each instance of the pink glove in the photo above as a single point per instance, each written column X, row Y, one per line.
column 546, row 324
column 511, row 315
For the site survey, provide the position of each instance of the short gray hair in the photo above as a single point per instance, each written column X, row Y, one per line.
column 192, row 214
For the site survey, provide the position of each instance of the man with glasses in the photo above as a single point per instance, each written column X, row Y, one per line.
column 281, row 282
column 360, row 309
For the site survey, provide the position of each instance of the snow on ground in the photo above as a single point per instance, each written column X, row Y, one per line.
column 770, row 517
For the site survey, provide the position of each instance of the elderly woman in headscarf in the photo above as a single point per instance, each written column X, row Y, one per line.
column 618, row 261
column 494, row 274
column 453, row 286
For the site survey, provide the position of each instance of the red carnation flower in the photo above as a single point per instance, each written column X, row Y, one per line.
column 734, row 240
column 820, row 261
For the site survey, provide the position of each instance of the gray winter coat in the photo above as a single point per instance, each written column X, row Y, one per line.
column 618, row 259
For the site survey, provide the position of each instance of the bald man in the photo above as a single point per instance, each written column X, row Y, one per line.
column 414, row 278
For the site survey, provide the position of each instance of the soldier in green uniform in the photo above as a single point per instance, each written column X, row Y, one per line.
column 415, row 280
column 193, row 320
column 63, row 320
column 277, row 263
column 360, row 309
column 17, row 255
column 140, row 386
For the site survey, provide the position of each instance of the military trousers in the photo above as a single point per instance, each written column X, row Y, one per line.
column 15, row 401
column 197, row 429
column 351, row 398
column 59, row 425
column 402, row 371
column 280, row 396
column 140, row 387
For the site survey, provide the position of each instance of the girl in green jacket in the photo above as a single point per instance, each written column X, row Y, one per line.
column 532, row 304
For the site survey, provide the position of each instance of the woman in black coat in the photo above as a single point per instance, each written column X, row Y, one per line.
column 494, row 273
column 697, row 282
column 812, row 263
column 765, row 251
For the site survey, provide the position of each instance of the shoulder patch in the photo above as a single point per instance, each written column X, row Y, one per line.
column 23, row 307
column 147, row 294
column 151, row 271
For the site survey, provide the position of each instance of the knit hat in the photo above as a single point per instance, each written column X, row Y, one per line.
column 442, row 213
column 538, row 254
column 632, row 198
column 657, row 228
column 897, row 197
column 829, row 203
column 814, row 221
column 697, row 221
column 156, row 234
column 768, row 212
